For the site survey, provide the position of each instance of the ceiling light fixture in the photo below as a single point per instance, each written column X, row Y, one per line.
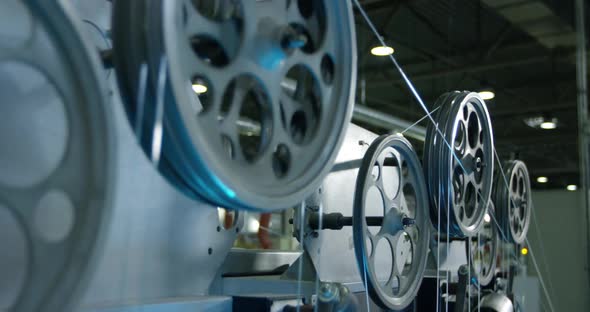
column 572, row 187
column 548, row 125
column 540, row 122
column 487, row 94
column 382, row 50
column 542, row 179
column 199, row 88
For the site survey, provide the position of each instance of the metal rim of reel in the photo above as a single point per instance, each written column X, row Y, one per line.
column 514, row 203
column 490, row 234
column 411, row 238
column 464, row 121
column 78, row 183
column 280, row 83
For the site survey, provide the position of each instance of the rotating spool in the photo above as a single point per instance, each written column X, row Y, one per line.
column 255, row 96
column 57, row 162
column 459, row 168
column 404, row 227
column 514, row 202
column 482, row 250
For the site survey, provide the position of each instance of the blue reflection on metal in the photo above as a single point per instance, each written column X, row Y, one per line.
column 229, row 192
column 272, row 58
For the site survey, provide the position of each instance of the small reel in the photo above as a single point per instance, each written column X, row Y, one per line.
column 404, row 228
column 514, row 202
column 251, row 99
column 482, row 250
column 57, row 161
column 459, row 163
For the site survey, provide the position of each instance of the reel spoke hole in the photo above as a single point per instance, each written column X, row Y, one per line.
column 228, row 146
column 15, row 254
column 327, row 69
column 369, row 246
column 460, row 138
column 306, row 8
column 304, row 98
column 210, row 50
column 34, row 128
column 458, row 184
column 473, row 130
column 375, row 207
column 396, row 285
column 281, row 161
column 203, row 89
column 313, row 23
column 470, row 200
column 384, row 261
column 391, row 174
column 54, row 216
column 410, row 200
column 245, row 107
column 218, row 10
column 376, row 172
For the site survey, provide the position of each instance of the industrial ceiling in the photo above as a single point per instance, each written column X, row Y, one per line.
column 523, row 50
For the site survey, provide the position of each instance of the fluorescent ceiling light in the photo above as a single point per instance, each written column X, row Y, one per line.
column 541, row 122
column 487, row 218
column 542, row 179
column 572, row 187
column 199, row 88
column 382, row 51
column 487, row 94
column 548, row 125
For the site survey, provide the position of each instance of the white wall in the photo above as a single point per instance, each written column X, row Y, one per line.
column 560, row 243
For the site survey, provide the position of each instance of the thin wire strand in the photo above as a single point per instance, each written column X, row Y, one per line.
column 419, row 121
column 317, row 276
column 478, row 280
column 448, row 248
column 543, row 254
column 300, row 268
column 540, row 276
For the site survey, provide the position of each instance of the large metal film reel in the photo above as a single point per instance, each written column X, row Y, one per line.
column 482, row 250
column 391, row 175
column 56, row 164
column 279, row 81
column 459, row 169
column 514, row 203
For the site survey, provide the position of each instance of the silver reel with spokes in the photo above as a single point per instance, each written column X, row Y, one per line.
column 257, row 94
column 459, row 163
column 403, row 229
column 56, row 164
column 483, row 248
column 514, row 202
